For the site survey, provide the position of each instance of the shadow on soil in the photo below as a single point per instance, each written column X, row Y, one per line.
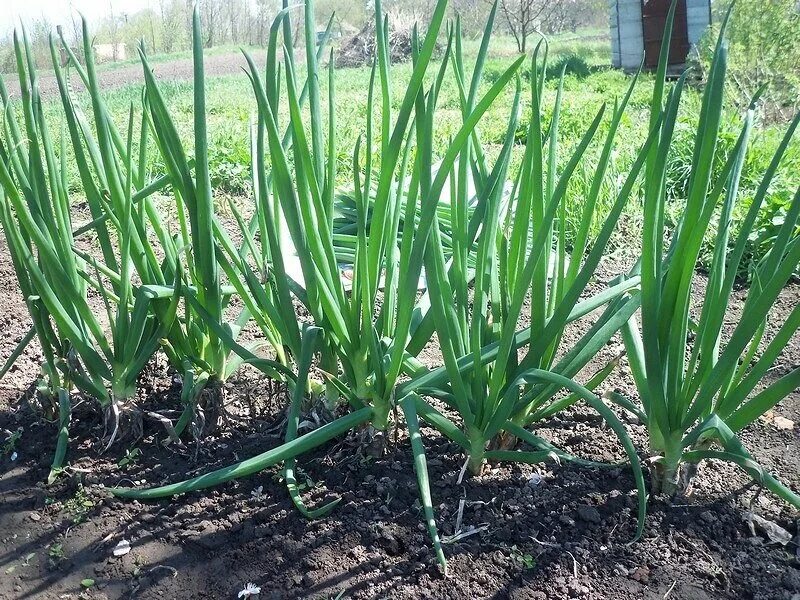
column 563, row 533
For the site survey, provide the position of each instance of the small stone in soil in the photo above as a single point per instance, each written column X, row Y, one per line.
column 641, row 574
column 576, row 590
column 589, row 514
column 535, row 480
column 566, row 521
column 708, row 516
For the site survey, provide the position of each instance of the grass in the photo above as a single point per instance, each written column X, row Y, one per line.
column 588, row 82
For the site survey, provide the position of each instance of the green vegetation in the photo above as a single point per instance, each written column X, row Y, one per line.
column 130, row 458
column 764, row 51
column 588, row 82
column 11, row 441
column 458, row 195
column 79, row 505
column 56, row 553
column 690, row 404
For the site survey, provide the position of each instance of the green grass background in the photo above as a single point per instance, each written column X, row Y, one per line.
column 589, row 83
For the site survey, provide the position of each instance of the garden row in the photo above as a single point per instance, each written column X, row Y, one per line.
column 453, row 246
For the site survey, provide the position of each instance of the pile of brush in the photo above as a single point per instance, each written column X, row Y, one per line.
column 359, row 50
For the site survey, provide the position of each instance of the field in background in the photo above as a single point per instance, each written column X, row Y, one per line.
column 589, row 83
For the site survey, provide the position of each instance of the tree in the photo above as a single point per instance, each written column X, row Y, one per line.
column 38, row 32
column 173, row 18
column 762, row 37
column 209, row 13
column 473, row 15
column 345, row 12
column 522, row 18
column 569, row 15
column 113, row 30
column 141, row 26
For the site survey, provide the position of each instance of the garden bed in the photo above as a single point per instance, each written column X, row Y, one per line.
column 544, row 532
column 524, row 300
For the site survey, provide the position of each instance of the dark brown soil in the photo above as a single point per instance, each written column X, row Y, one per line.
column 546, row 532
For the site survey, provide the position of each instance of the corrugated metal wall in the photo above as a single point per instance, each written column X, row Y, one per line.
column 625, row 23
column 627, row 29
column 698, row 18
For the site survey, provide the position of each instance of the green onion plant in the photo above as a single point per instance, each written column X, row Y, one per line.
column 695, row 402
column 101, row 359
column 521, row 253
column 368, row 333
column 205, row 342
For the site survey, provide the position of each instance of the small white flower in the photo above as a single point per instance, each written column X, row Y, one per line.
column 13, row 456
column 251, row 589
column 257, row 494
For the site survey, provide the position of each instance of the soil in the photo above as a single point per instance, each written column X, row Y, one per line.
column 541, row 532
column 224, row 63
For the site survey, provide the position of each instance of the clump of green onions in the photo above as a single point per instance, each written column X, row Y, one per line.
column 364, row 346
column 694, row 403
column 102, row 360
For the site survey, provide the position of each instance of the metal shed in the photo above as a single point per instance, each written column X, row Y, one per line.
column 637, row 28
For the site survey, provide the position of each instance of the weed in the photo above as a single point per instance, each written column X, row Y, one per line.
column 10, row 443
column 79, row 505
column 130, row 458
column 528, row 561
